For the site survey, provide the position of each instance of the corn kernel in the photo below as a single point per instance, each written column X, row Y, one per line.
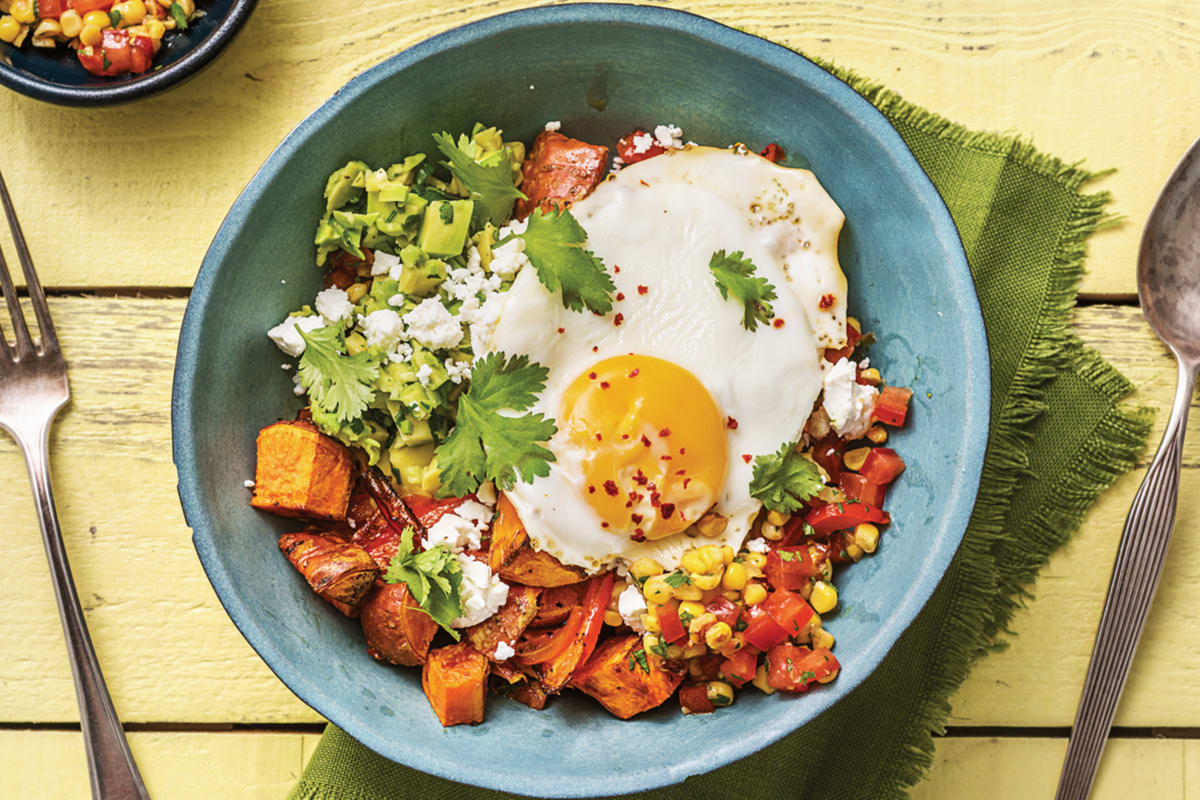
column 713, row 556
column 854, row 459
column 71, row 23
column 822, row 638
column 644, row 568
column 356, row 292
column 9, row 28
column 657, row 590
column 718, row 635
column 776, row 518
column 700, row 624
column 694, row 561
column 687, row 591
column 695, row 668
column 772, row 533
column 615, row 594
column 650, row 642
column 695, row 650
column 708, row 582
column 44, row 33
column 731, row 595
column 613, row 618
column 23, row 11
column 754, row 594
column 674, row 652
column 814, row 623
column 130, row 13
column 711, row 525
column 854, row 551
column 650, row 623
column 188, row 6
column 97, row 18
column 735, row 577
column 877, row 434
column 756, row 559
column 355, row 343
column 854, row 323
column 866, row 536
column 871, row 376
column 720, row 693
column 824, row 597
column 829, row 678
column 692, row 609
column 727, row 555
column 90, row 36
column 760, row 680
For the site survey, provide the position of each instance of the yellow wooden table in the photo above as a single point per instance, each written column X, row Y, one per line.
column 119, row 205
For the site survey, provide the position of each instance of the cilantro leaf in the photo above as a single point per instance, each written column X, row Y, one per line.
column 637, row 659
column 490, row 185
column 677, row 579
column 860, row 348
column 554, row 245
column 735, row 276
column 488, row 445
column 340, row 385
column 433, row 577
column 784, row 480
column 180, row 16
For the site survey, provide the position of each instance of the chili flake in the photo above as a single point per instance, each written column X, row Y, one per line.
column 618, row 319
column 827, row 301
column 643, row 289
column 731, row 423
column 610, row 488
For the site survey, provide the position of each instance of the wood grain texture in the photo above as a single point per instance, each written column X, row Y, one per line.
column 1106, row 81
column 171, row 654
column 49, row 765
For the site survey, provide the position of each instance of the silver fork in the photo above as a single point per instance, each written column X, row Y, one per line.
column 33, row 387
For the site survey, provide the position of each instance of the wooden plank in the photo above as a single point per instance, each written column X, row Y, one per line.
column 50, row 765
column 147, row 185
column 183, row 766
column 171, row 654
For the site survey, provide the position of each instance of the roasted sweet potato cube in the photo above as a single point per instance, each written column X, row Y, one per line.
column 507, row 624
column 558, row 171
column 538, row 568
column 616, row 678
column 508, row 534
column 395, row 627
column 339, row 571
column 301, row 472
column 455, row 681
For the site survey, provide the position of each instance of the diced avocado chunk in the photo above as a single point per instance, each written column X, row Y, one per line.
column 409, row 463
column 444, row 229
column 422, row 357
column 362, row 432
column 419, row 274
column 431, row 478
column 405, row 170
column 375, row 239
column 340, row 189
column 410, row 432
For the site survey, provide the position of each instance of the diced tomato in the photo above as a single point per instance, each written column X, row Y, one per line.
column 693, row 699
column 84, row 6
column 791, row 567
column 839, row 516
column 839, row 543
column 627, row 149
column 762, row 630
column 852, row 337
column 723, row 610
column 709, row 666
column 883, row 465
column 141, row 53
column 828, row 453
column 892, row 406
column 856, row 487
column 118, row 53
column 790, row 610
column 668, row 622
column 51, row 9
column 773, row 153
column 740, row 667
column 792, row 669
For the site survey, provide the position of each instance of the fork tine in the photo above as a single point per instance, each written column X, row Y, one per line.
column 23, row 344
column 49, row 339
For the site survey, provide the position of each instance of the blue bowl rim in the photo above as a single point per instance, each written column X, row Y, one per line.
column 124, row 91
column 976, row 386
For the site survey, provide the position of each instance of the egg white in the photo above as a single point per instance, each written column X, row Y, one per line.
column 657, row 223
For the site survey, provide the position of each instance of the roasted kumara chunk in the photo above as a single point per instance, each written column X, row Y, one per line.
column 339, row 571
column 625, row 680
column 395, row 627
column 301, row 472
column 558, row 171
column 507, row 624
column 538, row 568
column 455, row 681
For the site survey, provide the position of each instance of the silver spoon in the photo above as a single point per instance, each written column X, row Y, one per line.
column 1169, row 291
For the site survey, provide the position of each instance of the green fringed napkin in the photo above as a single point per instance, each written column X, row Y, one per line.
column 1023, row 220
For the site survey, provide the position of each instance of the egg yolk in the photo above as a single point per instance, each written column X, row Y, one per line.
column 651, row 442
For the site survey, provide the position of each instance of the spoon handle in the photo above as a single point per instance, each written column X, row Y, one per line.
column 1135, row 577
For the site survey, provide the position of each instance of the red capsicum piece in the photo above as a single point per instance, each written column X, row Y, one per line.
column 627, row 153
column 790, row 610
column 883, row 465
column 762, row 630
column 670, row 624
column 792, row 669
column 51, row 9
column 118, row 54
column 852, row 337
column 838, row 516
column 773, row 153
column 740, row 667
column 723, row 610
column 84, row 6
column 791, row 567
column 856, row 487
column 693, row 699
column 892, row 406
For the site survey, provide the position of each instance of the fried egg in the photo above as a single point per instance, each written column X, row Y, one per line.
column 663, row 403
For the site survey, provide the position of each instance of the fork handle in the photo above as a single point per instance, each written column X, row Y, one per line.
column 114, row 775
column 1135, row 578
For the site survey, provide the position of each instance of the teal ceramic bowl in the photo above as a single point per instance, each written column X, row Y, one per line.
column 602, row 70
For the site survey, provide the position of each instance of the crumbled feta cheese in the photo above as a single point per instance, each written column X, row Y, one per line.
column 382, row 328
column 432, row 325
column 460, row 529
column 384, row 263
column 486, row 493
column 758, row 545
column 669, row 137
column 424, row 373
column 632, row 605
column 458, row 370
column 397, row 301
column 297, row 387
column 249, row 484
column 481, row 592
column 503, row 652
column 334, row 304
column 402, row 354
column 285, row 365
column 848, row 403
column 508, row 258
column 286, row 335
column 553, row 125
column 642, row 142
